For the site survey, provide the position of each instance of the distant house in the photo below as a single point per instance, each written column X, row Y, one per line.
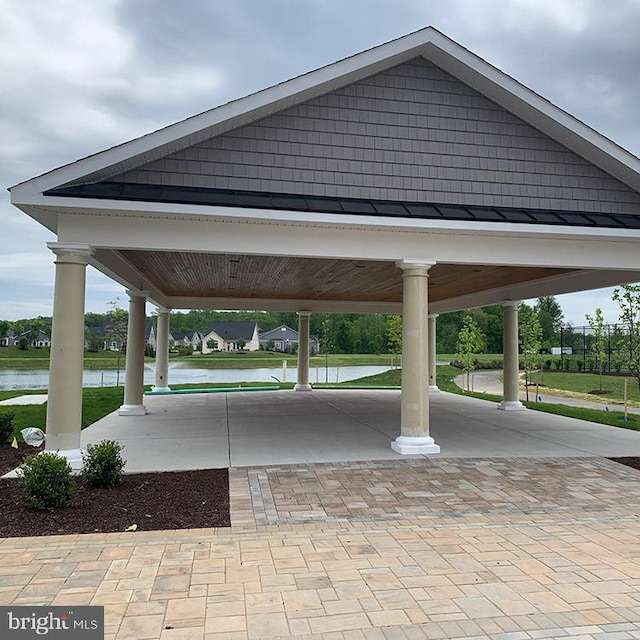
column 283, row 338
column 9, row 340
column 101, row 338
column 40, row 339
column 195, row 340
column 226, row 334
column 176, row 338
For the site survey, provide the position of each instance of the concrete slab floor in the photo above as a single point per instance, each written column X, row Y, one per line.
column 287, row 427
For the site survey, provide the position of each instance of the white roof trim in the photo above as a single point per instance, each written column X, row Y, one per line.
column 428, row 42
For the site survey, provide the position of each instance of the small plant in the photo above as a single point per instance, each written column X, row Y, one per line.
column 567, row 364
column 46, row 481
column 580, row 364
column 6, row 426
column 103, row 465
column 558, row 364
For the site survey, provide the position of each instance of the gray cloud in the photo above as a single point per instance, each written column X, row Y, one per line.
column 81, row 76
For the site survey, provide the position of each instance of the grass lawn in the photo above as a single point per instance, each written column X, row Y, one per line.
column 446, row 374
column 268, row 359
column 38, row 358
column 96, row 403
column 14, row 358
column 584, row 383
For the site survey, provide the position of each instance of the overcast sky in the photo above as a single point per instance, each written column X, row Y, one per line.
column 79, row 76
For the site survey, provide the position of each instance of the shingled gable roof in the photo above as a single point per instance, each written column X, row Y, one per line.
column 232, row 329
column 428, row 43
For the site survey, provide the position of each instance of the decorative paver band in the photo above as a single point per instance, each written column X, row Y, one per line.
column 424, row 488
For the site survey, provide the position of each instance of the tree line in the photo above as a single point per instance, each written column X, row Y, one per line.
column 338, row 332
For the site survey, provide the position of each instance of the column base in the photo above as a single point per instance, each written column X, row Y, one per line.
column 163, row 389
column 434, row 388
column 511, row 405
column 72, row 456
column 132, row 410
column 412, row 445
column 302, row 387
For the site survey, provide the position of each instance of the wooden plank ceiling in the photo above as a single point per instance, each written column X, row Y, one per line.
column 201, row 275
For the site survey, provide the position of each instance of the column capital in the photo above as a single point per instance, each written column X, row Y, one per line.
column 163, row 310
column 514, row 304
column 432, row 316
column 71, row 253
column 134, row 293
column 412, row 266
column 303, row 314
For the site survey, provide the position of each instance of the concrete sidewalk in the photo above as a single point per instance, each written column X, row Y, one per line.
column 288, row 427
column 491, row 382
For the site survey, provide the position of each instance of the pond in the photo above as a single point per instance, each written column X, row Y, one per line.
column 39, row 378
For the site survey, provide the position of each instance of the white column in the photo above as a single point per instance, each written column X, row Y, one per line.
column 414, row 435
column 304, row 321
column 162, row 351
column 511, row 367
column 134, row 367
column 64, row 405
column 433, row 387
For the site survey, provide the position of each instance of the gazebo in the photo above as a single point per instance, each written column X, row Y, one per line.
column 411, row 178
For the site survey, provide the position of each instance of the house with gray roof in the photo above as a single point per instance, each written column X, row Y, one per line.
column 227, row 335
column 283, row 338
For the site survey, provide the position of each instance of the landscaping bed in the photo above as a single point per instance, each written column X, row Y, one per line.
column 151, row 501
column 629, row 461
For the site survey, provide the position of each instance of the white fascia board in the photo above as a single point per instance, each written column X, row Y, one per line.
column 330, row 220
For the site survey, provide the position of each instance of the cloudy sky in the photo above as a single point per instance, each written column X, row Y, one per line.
column 78, row 77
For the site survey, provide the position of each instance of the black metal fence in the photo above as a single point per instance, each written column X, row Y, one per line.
column 579, row 349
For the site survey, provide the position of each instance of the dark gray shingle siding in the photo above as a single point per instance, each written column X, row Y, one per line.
column 411, row 133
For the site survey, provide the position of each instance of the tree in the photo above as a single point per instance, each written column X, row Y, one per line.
column 241, row 342
column 4, row 328
column 471, row 342
column 628, row 298
column 394, row 334
column 530, row 340
column 550, row 317
column 597, row 324
column 34, row 331
column 117, row 321
column 212, row 344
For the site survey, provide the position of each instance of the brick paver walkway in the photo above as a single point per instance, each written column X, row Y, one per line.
column 515, row 549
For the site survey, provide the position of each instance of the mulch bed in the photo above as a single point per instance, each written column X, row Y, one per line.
column 151, row 501
column 629, row 461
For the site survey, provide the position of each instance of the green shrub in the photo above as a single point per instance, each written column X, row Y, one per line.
column 46, row 481
column 558, row 364
column 6, row 426
column 103, row 464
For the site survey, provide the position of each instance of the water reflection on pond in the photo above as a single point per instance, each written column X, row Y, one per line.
column 39, row 378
